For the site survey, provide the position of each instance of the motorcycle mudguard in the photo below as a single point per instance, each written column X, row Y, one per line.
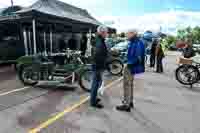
column 24, row 60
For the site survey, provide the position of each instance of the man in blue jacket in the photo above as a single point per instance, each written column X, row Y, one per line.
column 135, row 65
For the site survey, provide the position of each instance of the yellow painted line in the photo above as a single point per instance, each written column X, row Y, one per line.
column 59, row 115
column 67, row 110
column 16, row 90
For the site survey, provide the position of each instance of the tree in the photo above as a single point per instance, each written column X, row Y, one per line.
column 171, row 39
column 168, row 41
column 196, row 35
column 189, row 34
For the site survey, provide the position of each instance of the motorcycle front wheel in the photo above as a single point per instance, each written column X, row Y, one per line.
column 85, row 80
column 115, row 67
column 187, row 74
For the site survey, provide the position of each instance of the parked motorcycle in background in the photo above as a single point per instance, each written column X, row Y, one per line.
column 188, row 72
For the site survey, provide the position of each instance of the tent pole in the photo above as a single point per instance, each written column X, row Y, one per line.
column 34, row 37
column 29, row 39
column 25, row 42
column 51, row 41
column 89, row 46
column 45, row 44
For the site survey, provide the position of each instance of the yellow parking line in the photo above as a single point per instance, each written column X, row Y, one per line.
column 16, row 90
column 67, row 110
column 59, row 115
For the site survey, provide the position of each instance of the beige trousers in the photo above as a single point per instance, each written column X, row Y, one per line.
column 131, row 84
column 128, row 85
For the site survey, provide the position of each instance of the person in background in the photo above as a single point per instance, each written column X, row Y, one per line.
column 152, row 53
column 135, row 67
column 84, row 44
column 99, row 60
column 188, row 51
column 159, row 57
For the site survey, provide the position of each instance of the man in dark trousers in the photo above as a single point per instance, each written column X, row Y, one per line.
column 99, row 60
column 152, row 52
column 135, row 67
column 159, row 57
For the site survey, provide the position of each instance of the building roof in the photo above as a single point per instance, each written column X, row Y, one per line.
column 61, row 9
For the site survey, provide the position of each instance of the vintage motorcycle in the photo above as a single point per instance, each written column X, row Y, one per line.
column 188, row 72
column 32, row 69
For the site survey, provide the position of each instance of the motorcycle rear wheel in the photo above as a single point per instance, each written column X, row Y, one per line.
column 27, row 76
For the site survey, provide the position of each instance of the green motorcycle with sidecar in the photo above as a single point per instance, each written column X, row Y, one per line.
column 35, row 68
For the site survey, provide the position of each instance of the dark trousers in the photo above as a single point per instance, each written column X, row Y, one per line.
column 159, row 66
column 152, row 60
column 96, row 84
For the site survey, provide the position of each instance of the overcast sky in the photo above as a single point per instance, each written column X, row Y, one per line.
column 141, row 14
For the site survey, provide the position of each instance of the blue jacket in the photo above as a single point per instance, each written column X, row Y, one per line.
column 136, row 56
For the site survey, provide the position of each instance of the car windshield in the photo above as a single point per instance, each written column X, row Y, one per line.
column 122, row 44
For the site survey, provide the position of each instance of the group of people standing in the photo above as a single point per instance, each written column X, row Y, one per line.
column 156, row 56
column 135, row 66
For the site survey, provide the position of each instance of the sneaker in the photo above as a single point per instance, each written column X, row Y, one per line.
column 98, row 100
column 123, row 108
column 98, row 105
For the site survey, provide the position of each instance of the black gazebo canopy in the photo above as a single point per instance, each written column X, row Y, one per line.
column 48, row 16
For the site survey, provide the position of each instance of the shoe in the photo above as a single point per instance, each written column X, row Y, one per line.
column 131, row 105
column 123, row 108
column 98, row 100
column 98, row 105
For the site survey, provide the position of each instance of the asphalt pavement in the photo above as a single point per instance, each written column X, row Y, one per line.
column 23, row 108
column 164, row 106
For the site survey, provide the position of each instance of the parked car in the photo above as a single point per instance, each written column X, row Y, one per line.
column 173, row 47
column 110, row 42
column 196, row 47
column 122, row 48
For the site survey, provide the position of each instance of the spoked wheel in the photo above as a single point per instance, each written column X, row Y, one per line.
column 27, row 76
column 115, row 67
column 187, row 74
column 85, row 80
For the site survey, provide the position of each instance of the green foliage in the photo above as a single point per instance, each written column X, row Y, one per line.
column 168, row 41
column 191, row 34
column 171, row 40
